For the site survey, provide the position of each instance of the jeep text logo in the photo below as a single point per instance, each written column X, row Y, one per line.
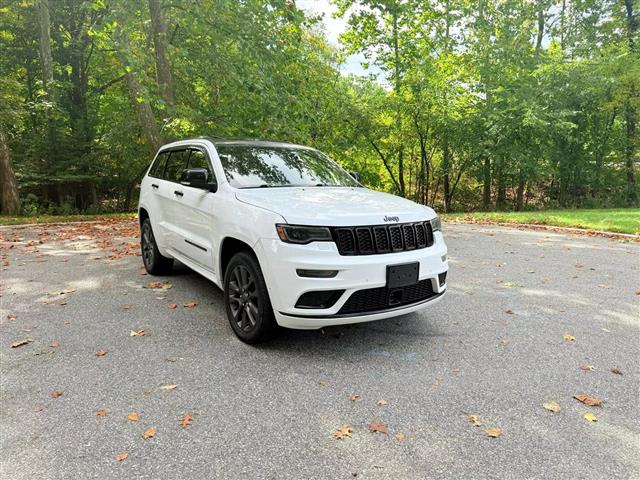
column 391, row 219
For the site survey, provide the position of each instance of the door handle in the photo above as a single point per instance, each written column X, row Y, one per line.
column 154, row 186
column 178, row 193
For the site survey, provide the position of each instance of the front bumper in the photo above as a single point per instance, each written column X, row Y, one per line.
column 281, row 260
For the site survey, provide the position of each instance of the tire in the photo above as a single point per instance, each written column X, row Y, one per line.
column 154, row 262
column 247, row 301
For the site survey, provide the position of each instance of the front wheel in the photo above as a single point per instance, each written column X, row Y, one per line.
column 247, row 301
column 154, row 262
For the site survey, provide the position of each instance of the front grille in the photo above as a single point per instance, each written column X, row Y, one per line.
column 370, row 240
column 381, row 298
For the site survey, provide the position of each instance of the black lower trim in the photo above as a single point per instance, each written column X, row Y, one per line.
column 195, row 245
column 364, row 314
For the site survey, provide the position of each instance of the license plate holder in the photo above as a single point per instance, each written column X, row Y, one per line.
column 402, row 275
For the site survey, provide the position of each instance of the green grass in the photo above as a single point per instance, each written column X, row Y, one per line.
column 621, row 220
column 22, row 220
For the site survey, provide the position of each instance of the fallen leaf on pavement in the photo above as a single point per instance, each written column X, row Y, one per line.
column 149, row 433
column 186, row 420
column 11, row 317
column 63, row 302
column 164, row 285
column 381, row 402
column 137, row 333
column 342, row 432
column 568, row 337
column 493, row 432
column 475, row 420
column 400, row 436
column 190, row 304
column 587, row 400
column 510, row 312
column 587, row 368
column 590, row 416
column 551, row 406
column 170, row 386
column 55, row 344
column 122, row 456
column 323, row 383
column 354, row 397
column 56, row 393
column 19, row 343
column 102, row 413
column 379, row 427
column 173, row 306
column 616, row 370
column 101, row 353
column 133, row 416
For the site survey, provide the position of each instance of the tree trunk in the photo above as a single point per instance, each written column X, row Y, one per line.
column 160, row 42
column 520, row 195
column 446, row 166
column 9, row 199
column 630, row 111
column 145, row 116
column 486, row 187
column 46, row 60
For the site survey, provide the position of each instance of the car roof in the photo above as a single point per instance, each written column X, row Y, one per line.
column 250, row 142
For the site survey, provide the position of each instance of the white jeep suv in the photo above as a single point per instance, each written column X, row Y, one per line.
column 290, row 237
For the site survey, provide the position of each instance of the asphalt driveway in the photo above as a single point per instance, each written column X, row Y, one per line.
column 530, row 318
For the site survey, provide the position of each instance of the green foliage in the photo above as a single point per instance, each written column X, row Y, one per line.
column 529, row 102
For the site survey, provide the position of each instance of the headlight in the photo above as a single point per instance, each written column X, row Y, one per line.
column 303, row 235
column 436, row 224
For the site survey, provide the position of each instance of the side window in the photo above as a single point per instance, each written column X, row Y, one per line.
column 199, row 160
column 176, row 164
column 157, row 169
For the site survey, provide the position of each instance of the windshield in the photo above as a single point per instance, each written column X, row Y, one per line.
column 254, row 166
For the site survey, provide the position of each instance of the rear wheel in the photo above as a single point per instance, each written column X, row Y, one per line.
column 247, row 300
column 153, row 260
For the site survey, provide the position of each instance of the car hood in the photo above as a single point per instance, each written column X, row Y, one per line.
column 335, row 206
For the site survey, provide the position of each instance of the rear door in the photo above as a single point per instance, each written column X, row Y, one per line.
column 197, row 213
column 169, row 196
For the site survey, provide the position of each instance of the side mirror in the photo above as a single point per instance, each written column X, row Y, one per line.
column 356, row 176
column 198, row 178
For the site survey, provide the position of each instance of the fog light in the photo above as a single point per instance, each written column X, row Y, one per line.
column 316, row 273
column 319, row 299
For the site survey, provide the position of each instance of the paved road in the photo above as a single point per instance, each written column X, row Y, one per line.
column 270, row 412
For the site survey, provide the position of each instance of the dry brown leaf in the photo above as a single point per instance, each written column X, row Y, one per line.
column 19, row 343
column 400, row 436
column 323, row 383
column 153, row 285
column 190, row 304
column 102, row 413
column 11, row 317
column 149, row 433
column 551, row 406
column 173, row 306
column 474, row 419
column 568, row 337
column 186, row 420
column 590, row 417
column 379, row 427
column 55, row 344
column 122, row 456
column 133, row 416
column 616, row 370
column 101, row 353
column 587, row 368
column 56, row 393
column 510, row 312
column 354, row 397
column 168, row 386
column 493, row 432
column 381, row 402
column 137, row 333
column 587, row 400
column 342, row 432
column 63, row 302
